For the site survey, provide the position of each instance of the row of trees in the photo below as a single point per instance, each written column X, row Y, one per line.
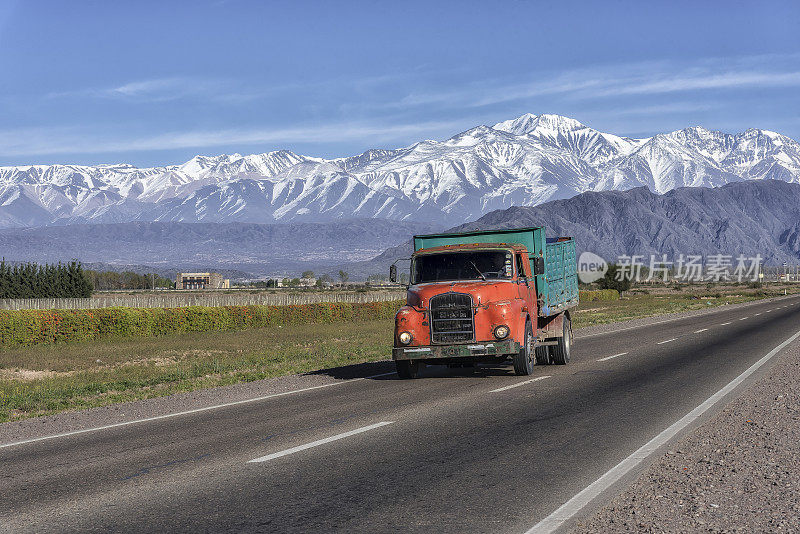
column 105, row 280
column 32, row 281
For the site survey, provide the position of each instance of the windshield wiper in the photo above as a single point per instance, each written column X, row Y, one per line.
column 478, row 270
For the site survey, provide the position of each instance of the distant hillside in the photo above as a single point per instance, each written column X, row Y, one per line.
column 752, row 217
column 255, row 248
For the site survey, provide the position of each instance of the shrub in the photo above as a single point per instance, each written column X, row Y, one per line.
column 609, row 280
column 34, row 327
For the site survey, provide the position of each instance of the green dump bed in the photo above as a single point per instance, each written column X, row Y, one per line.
column 557, row 287
column 561, row 274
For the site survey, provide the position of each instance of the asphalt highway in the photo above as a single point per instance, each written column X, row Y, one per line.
column 457, row 450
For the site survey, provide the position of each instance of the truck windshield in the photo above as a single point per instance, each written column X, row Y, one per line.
column 471, row 265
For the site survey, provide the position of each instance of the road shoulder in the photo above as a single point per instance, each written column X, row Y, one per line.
column 737, row 472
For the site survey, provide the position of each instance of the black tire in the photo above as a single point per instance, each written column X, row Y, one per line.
column 524, row 359
column 407, row 369
column 542, row 355
column 563, row 351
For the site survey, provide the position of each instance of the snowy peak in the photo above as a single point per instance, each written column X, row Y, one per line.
column 539, row 124
column 522, row 161
column 559, row 132
column 519, row 126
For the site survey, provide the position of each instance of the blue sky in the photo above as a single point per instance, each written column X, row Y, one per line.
column 157, row 82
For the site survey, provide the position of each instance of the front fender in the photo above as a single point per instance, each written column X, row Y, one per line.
column 507, row 312
column 415, row 321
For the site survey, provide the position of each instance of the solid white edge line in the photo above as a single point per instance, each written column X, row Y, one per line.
column 319, row 442
column 520, row 383
column 666, row 341
column 701, row 330
column 187, row 412
column 567, row 510
column 614, row 356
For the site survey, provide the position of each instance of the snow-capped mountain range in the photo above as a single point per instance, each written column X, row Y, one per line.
column 524, row 161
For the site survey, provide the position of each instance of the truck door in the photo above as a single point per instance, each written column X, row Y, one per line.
column 525, row 283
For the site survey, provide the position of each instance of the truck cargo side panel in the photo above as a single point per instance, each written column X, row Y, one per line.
column 561, row 275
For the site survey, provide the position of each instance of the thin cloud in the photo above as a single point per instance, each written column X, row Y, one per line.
column 646, row 78
column 222, row 90
column 729, row 80
column 662, row 109
column 166, row 90
column 48, row 141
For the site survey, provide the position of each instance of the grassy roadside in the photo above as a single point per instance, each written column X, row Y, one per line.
column 47, row 379
column 637, row 304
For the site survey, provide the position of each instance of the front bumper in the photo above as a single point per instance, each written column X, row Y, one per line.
column 465, row 350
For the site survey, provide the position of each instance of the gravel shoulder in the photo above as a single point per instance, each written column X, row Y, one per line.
column 117, row 413
column 737, row 472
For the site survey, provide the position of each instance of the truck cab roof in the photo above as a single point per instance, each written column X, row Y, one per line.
column 472, row 246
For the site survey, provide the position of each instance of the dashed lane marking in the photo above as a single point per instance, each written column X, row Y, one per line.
column 520, row 384
column 701, row 330
column 666, row 341
column 318, row 442
column 614, row 356
column 724, row 324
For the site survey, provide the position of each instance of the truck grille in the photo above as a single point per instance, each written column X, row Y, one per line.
column 451, row 318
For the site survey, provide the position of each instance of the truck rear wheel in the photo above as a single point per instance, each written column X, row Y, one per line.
column 523, row 360
column 563, row 351
column 407, row 368
column 542, row 355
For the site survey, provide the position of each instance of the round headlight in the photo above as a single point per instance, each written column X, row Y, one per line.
column 405, row 338
column 501, row 332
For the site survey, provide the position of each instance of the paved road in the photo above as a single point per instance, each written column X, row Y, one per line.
column 456, row 451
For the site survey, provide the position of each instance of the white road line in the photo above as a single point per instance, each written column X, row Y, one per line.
column 187, row 412
column 758, row 314
column 614, row 356
column 744, row 318
column 567, row 510
column 724, row 324
column 767, row 311
column 666, row 341
column 701, row 330
column 518, row 384
column 319, row 442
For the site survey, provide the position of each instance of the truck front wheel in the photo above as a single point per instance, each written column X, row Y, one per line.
column 407, row 368
column 563, row 351
column 523, row 360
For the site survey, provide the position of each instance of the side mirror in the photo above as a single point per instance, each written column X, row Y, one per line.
column 393, row 273
column 537, row 264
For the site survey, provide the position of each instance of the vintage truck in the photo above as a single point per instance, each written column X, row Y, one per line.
column 487, row 296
